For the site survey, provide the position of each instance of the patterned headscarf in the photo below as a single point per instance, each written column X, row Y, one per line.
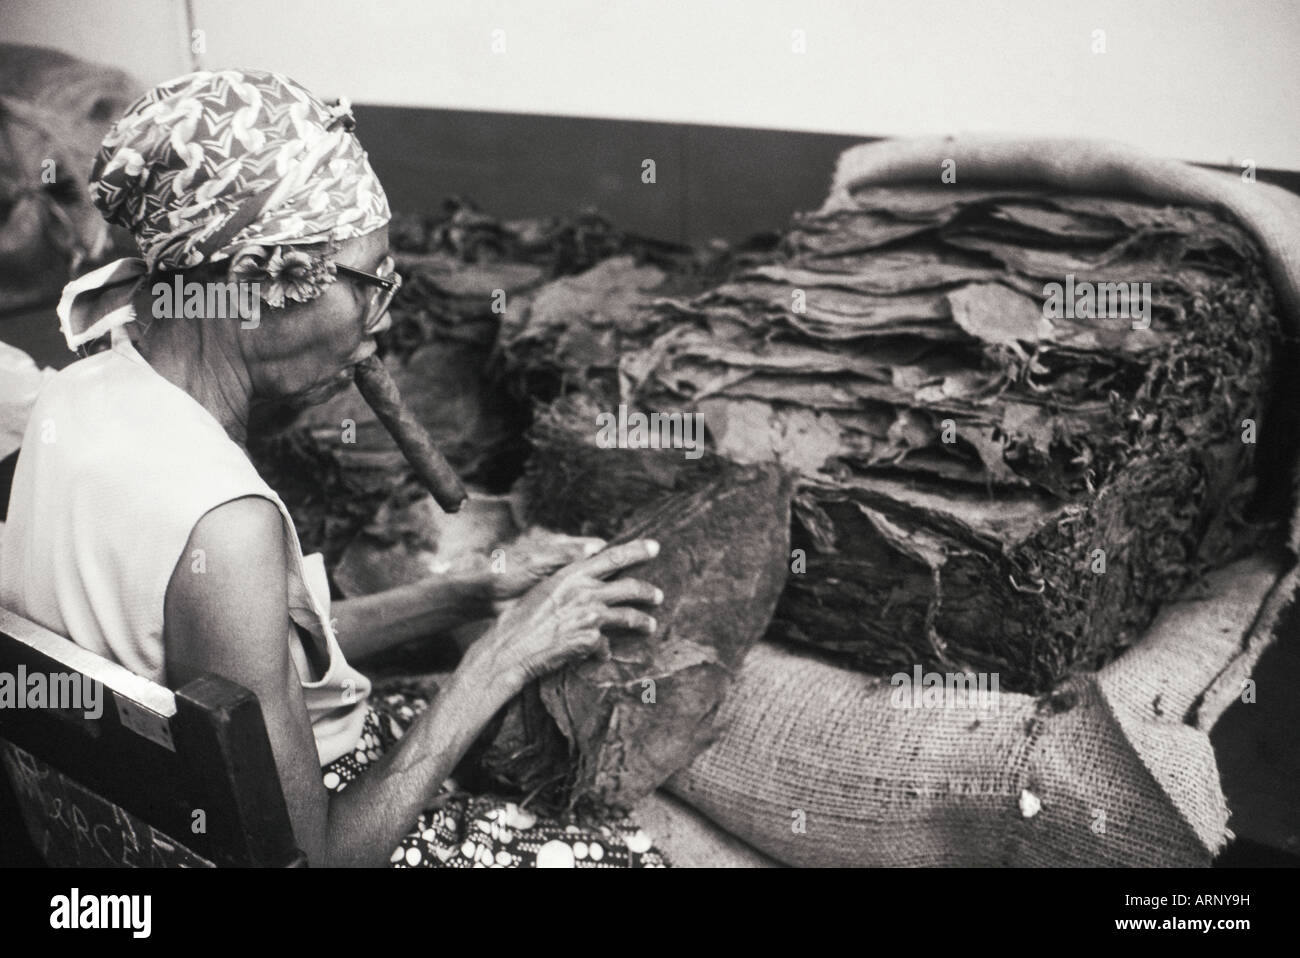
column 210, row 166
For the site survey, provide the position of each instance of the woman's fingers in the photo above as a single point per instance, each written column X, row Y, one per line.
column 626, row 590
column 557, row 554
column 563, row 619
column 583, row 546
column 616, row 558
column 623, row 617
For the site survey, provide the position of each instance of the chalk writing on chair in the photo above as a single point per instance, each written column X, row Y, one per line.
column 79, row 828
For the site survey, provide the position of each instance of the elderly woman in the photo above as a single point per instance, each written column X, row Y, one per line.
column 140, row 529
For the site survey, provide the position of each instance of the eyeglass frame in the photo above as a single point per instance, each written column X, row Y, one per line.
column 386, row 289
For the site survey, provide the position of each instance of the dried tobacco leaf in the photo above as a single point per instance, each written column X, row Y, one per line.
column 608, row 731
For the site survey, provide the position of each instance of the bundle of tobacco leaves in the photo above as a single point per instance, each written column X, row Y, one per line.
column 609, row 730
column 998, row 474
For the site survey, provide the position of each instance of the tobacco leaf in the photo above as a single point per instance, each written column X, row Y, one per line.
column 622, row 724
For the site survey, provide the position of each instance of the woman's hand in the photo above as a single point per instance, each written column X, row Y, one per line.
column 372, row 623
column 559, row 620
column 526, row 564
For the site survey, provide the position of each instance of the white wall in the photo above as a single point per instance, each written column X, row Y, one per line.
column 1205, row 80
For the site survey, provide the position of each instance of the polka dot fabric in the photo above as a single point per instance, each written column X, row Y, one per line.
column 480, row 831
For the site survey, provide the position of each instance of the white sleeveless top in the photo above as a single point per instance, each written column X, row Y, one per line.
column 117, row 465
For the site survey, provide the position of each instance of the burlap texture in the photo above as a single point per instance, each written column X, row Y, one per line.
column 1114, row 768
column 1120, row 776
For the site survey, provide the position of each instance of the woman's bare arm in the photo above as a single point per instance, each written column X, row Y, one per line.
column 371, row 623
column 232, row 619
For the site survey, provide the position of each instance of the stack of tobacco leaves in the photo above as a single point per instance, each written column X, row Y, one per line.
column 609, row 730
column 996, row 475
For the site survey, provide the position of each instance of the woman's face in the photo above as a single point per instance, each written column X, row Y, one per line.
column 303, row 354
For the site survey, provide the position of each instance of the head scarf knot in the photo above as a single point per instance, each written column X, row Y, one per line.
column 209, row 163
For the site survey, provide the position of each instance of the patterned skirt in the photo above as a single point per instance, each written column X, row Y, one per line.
column 480, row 831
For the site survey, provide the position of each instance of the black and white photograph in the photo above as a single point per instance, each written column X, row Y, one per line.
column 692, row 434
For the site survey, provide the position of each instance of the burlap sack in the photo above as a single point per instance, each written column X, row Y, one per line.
column 818, row 767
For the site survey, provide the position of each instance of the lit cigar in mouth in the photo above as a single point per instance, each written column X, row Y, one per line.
column 380, row 393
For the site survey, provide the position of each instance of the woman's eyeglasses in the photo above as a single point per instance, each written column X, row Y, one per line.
column 387, row 282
